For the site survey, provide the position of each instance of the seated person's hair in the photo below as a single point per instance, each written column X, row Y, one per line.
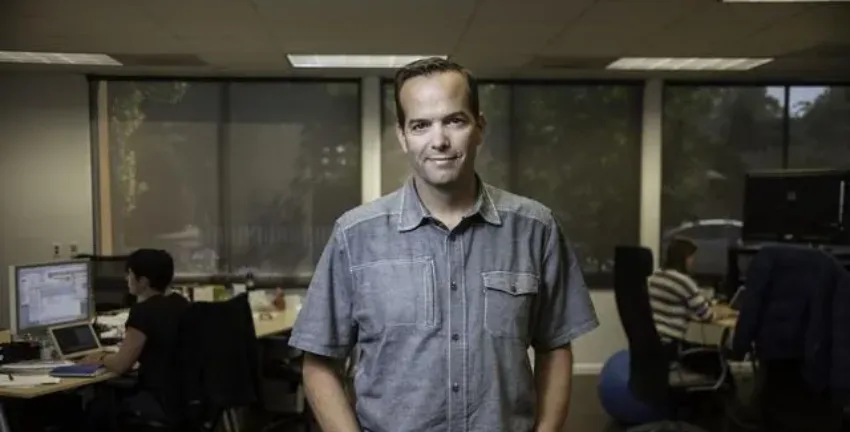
column 677, row 253
column 154, row 264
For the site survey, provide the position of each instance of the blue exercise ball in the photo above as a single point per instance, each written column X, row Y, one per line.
column 615, row 396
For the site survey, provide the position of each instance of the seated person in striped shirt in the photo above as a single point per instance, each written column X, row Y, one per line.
column 675, row 297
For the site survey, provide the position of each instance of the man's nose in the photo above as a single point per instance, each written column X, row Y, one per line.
column 440, row 141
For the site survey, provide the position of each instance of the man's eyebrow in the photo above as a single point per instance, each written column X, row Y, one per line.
column 447, row 116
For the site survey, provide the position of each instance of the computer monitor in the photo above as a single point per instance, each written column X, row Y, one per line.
column 109, row 283
column 48, row 294
column 798, row 206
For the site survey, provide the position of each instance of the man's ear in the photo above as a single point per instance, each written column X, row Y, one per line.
column 399, row 133
column 481, row 122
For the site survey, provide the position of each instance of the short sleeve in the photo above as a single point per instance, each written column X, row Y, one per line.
column 564, row 308
column 141, row 319
column 324, row 325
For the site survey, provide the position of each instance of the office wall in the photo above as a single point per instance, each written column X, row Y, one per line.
column 45, row 170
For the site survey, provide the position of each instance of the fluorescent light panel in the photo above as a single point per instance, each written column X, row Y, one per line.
column 57, row 58
column 689, row 64
column 354, row 61
column 785, row 1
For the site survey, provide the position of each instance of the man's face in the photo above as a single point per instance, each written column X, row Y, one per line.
column 440, row 135
column 136, row 285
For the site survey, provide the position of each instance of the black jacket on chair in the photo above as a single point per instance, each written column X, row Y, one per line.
column 220, row 356
column 797, row 306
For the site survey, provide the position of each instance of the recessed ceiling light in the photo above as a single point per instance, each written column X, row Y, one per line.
column 691, row 64
column 57, row 58
column 354, row 61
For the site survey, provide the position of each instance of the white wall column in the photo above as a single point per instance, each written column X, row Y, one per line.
column 370, row 157
column 650, row 181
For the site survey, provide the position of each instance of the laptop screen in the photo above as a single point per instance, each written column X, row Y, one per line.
column 75, row 339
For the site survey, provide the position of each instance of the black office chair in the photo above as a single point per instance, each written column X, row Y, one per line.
column 664, row 384
column 219, row 367
column 282, row 386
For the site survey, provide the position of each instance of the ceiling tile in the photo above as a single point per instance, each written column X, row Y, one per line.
column 510, row 26
column 397, row 26
column 617, row 27
column 717, row 29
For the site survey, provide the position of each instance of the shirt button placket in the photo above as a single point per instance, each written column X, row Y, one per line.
column 456, row 335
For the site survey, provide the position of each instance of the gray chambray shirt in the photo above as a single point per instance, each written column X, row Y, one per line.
column 442, row 319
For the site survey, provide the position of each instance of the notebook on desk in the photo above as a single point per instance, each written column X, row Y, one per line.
column 78, row 371
column 75, row 341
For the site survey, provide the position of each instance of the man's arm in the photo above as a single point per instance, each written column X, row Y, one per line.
column 553, row 371
column 564, row 312
column 324, row 330
column 326, row 393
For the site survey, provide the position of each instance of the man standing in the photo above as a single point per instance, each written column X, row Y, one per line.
column 442, row 286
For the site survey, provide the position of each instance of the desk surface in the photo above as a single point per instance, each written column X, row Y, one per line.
column 264, row 325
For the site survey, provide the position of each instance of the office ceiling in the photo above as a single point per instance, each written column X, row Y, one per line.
column 495, row 38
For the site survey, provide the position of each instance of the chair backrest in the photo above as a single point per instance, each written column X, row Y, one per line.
column 648, row 362
column 220, row 359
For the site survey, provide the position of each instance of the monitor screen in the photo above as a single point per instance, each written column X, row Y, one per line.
column 49, row 294
column 796, row 206
column 75, row 339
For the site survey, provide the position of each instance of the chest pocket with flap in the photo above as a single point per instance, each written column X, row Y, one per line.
column 508, row 301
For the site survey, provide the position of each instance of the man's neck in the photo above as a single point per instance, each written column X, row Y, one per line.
column 150, row 293
column 448, row 205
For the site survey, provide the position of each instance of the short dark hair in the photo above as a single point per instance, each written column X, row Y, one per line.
column 428, row 66
column 678, row 251
column 154, row 264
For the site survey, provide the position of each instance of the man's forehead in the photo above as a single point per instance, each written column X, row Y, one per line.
column 434, row 96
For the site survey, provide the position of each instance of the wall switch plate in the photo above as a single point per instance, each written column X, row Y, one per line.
column 72, row 248
column 57, row 250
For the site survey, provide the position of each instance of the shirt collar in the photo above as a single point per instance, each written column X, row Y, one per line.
column 412, row 212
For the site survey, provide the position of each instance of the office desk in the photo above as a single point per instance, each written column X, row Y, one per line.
column 264, row 325
column 710, row 333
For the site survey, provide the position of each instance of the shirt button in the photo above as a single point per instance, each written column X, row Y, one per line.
column 455, row 387
column 454, row 286
column 455, row 337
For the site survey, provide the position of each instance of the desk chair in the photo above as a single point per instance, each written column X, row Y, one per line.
column 219, row 365
column 658, row 383
column 281, row 368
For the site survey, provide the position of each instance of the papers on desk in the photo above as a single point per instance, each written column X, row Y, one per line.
column 38, row 367
column 7, row 380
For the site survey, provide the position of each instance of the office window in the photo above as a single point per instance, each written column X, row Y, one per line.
column 819, row 127
column 230, row 176
column 575, row 148
column 162, row 143
column 293, row 153
column 713, row 135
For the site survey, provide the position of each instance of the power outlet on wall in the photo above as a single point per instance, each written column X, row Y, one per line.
column 73, row 250
column 57, row 250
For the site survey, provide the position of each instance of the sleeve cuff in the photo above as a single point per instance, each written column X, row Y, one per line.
column 338, row 352
column 565, row 338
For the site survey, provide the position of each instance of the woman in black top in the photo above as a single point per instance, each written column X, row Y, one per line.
column 151, row 337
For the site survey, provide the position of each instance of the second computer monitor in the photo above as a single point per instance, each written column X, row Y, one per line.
column 48, row 294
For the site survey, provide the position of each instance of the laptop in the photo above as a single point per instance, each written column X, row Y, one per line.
column 75, row 341
column 738, row 298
